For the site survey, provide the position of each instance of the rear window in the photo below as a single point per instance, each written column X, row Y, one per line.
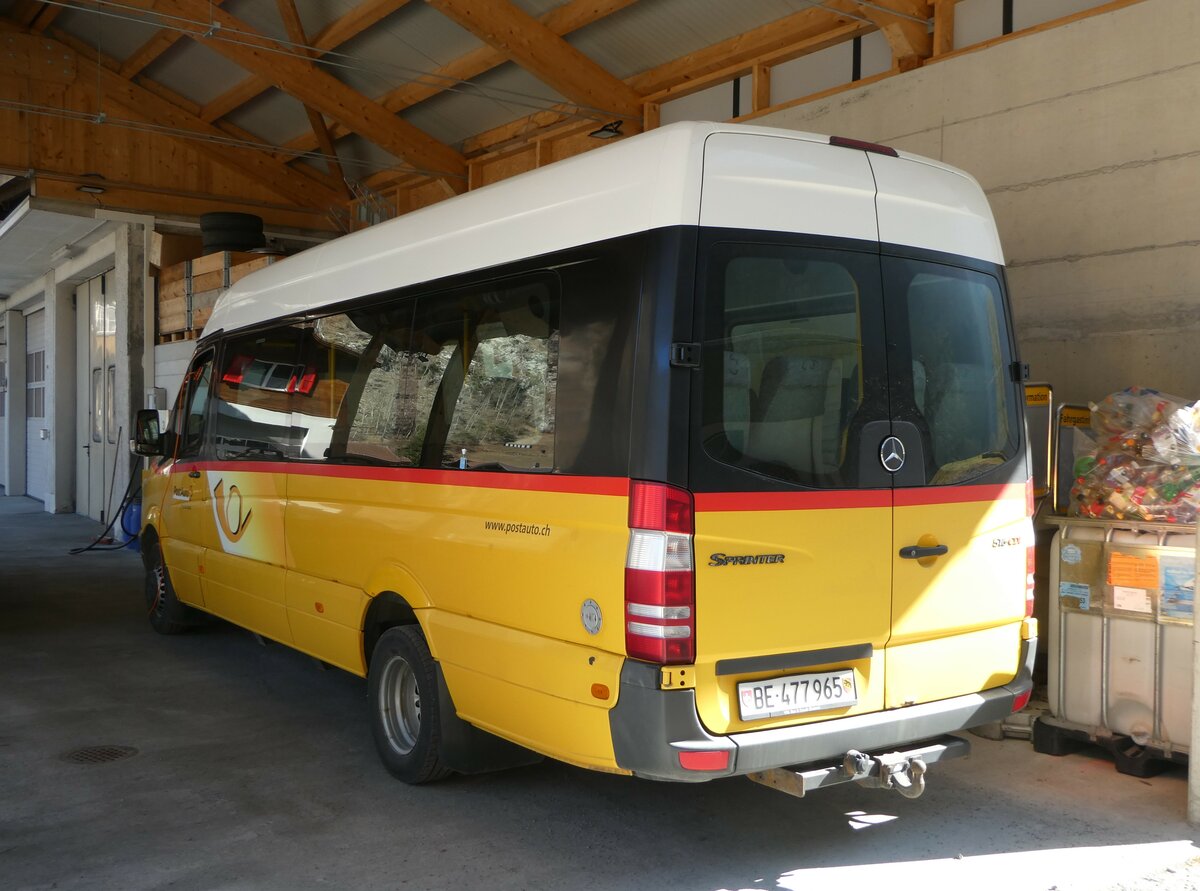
column 784, row 359
column 952, row 365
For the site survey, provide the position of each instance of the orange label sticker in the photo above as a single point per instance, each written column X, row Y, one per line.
column 1130, row 571
column 1075, row 417
column 1037, row 394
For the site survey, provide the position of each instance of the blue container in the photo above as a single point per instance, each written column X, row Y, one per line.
column 130, row 524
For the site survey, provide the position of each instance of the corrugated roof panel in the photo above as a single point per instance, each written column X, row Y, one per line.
column 538, row 8
column 275, row 116
column 501, row 95
column 115, row 33
column 415, row 39
column 360, row 158
column 262, row 17
column 195, row 72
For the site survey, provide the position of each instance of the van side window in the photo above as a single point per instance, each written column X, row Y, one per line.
column 260, row 378
column 199, row 385
column 790, row 376
column 959, row 359
column 495, row 403
column 372, row 412
column 474, row 369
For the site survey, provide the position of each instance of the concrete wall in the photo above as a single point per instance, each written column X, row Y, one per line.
column 1085, row 140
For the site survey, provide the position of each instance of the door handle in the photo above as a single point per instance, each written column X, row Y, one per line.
column 194, row 474
column 916, row 552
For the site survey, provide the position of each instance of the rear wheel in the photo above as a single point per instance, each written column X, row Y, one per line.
column 167, row 614
column 405, row 711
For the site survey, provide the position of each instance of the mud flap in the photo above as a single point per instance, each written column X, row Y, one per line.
column 467, row 749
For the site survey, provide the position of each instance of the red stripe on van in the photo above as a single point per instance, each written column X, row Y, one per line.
column 526, row 482
column 756, row 501
column 958, row 494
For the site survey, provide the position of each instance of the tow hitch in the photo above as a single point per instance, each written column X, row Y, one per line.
column 902, row 770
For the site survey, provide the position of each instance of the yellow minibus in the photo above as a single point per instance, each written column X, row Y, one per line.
column 700, row 454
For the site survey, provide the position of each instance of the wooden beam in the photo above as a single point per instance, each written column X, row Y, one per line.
column 943, row 27
column 743, row 49
column 544, row 54
column 897, row 20
column 142, row 199
column 353, row 23
column 760, row 87
column 825, row 39
column 145, row 54
column 787, row 39
column 45, row 18
column 295, row 32
column 23, row 12
column 150, row 107
column 561, row 20
column 300, row 78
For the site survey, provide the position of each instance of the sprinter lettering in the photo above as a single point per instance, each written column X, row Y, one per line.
column 743, row 560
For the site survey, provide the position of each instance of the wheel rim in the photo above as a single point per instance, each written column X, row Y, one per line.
column 158, row 602
column 400, row 705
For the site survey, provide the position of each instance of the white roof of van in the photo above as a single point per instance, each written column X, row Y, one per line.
column 793, row 182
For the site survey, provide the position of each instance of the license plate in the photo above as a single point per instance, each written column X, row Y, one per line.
column 796, row 694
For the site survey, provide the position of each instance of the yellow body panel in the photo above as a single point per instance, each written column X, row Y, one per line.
column 184, row 531
column 956, row 619
column 326, row 620
column 529, row 688
column 952, row 665
column 832, row 589
column 499, row 573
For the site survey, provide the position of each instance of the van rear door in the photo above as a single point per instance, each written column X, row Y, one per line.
column 961, row 519
column 955, row 402
column 793, row 537
column 824, row 359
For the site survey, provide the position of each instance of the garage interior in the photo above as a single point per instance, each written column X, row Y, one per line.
column 123, row 123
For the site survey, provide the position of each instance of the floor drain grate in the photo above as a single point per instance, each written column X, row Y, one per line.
column 98, row 754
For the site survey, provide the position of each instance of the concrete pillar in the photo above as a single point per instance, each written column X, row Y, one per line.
column 61, row 394
column 14, row 420
column 130, row 284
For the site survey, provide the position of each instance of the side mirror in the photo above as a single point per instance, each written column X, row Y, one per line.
column 149, row 440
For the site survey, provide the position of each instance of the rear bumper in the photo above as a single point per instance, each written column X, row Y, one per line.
column 650, row 727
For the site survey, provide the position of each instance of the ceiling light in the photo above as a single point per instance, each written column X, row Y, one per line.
column 91, row 190
column 608, row 131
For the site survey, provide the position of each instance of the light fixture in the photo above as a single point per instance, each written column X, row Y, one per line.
column 609, row 131
column 91, row 190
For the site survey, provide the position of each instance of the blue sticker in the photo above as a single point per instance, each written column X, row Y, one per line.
column 1076, row 590
column 1178, row 578
column 1071, row 554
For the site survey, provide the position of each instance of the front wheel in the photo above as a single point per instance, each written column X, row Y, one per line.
column 405, row 711
column 168, row 615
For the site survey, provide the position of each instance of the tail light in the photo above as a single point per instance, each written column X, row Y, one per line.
column 660, row 590
column 1030, row 561
column 1029, row 583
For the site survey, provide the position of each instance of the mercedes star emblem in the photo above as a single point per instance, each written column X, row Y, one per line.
column 891, row 454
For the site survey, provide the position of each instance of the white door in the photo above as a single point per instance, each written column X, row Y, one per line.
column 37, row 430
column 97, row 363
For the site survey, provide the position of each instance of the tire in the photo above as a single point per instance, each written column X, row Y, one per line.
column 231, row 240
column 167, row 614
column 405, row 708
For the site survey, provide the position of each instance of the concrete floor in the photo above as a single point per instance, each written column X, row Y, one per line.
column 255, row 769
